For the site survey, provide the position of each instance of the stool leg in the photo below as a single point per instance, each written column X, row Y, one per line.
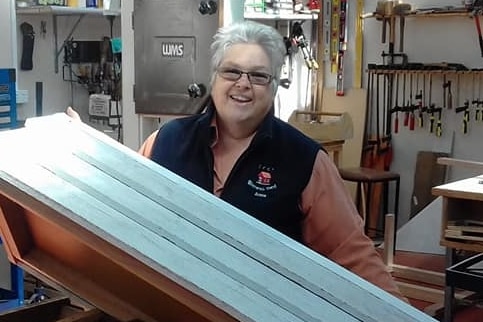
column 363, row 203
column 396, row 209
column 388, row 254
column 369, row 215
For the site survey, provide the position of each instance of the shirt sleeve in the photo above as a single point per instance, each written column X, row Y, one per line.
column 147, row 146
column 333, row 227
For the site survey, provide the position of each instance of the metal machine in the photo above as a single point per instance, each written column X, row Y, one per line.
column 172, row 55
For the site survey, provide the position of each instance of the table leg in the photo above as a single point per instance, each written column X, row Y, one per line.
column 449, row 289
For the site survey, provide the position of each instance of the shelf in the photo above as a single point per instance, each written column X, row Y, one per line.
column 290, row 16
column 56, row 11
column 65, row 11
column 423, row 13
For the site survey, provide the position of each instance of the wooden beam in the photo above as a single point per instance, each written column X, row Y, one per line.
column 93, row 315
column 420, row 292
column 461, row 163
column 418, row 275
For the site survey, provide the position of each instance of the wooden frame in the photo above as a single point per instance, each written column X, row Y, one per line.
column 139, row 242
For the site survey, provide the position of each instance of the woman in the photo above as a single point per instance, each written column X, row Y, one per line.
column 238, row 150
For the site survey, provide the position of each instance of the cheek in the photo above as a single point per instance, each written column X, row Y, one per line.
column 217, row 91
column 264, row 97
column 219, row 88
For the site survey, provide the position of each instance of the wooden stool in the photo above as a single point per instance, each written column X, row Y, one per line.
column 365, row 179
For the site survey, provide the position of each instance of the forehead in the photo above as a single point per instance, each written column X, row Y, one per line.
column 246, row 55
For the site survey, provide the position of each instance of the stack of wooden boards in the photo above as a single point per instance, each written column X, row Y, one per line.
column 140, row 243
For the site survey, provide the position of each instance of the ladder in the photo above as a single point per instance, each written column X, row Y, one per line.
column 8, row 98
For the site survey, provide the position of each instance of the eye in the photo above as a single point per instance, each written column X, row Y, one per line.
column 260, row 78
column 259, row 75
column 230, row 73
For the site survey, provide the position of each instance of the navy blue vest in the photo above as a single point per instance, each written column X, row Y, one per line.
column 267, row 180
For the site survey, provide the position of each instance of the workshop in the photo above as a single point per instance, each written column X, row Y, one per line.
column 370, row 110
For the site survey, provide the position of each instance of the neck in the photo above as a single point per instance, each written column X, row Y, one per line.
column 235, row 134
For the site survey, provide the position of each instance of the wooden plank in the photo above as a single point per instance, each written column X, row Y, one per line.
column 188, row 236
column 428, row 173
column 244, row 232
column 461, row 235
column 461, row 163
column 145, row 245
column 465, row 228
column 128, row 204
column 93, row 315
column 418, row 275
column 420, row 292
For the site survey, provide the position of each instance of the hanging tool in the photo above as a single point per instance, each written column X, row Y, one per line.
column 479, row 111
column 410, row 101
column 431, row 107
column 342, row 47
column 420, row 98
column 28, row 37
column 327, row 9
column 439, row 130
column 395, row 110
column 389, row 12
column 475, row 13
column 299, row 40
column 447, row 86
column 285, row 82
column 334, row 35
column 474, row 99
column 357, row 83
column 465, row 108
column 401, row 10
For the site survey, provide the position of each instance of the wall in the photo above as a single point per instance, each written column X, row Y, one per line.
column 6, row 36
column 57, row 92
column 432, row 40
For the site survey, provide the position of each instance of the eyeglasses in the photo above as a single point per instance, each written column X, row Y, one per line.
column 256, row 78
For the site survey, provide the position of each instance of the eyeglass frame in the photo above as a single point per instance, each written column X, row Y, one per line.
column 240, row 73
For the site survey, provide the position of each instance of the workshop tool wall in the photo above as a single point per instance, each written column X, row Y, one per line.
column 416, row 97
column 8, row 99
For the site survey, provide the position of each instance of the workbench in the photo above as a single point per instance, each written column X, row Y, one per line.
column 461, row 229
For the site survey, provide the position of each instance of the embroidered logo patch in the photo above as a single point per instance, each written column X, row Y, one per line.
column 264, row 182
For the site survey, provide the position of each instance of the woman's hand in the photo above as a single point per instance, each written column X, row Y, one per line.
column 72, row 113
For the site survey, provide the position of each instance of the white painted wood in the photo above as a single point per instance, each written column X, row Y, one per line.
column 141, row 198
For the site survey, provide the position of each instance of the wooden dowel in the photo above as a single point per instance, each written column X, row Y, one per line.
column 389, row 231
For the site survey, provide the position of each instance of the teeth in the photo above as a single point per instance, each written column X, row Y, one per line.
column 241, row 98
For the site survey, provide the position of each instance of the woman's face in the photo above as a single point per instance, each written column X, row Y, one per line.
column 240, row 101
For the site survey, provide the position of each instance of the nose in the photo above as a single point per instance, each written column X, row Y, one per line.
column 243, row 80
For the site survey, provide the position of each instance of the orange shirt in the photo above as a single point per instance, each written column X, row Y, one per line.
column 332, row 225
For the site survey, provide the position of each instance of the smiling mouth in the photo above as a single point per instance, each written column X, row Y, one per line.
column 240, row 99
